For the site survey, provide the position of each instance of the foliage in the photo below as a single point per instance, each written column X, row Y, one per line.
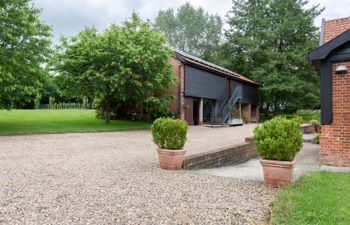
column 317, row 138
column 308, row 114
column 24, row 48
column 278, row 139
column 169, row 133
column 297, row 119
column 60, row 121
column 51, row 102
column 125, row 63
column 37, row 102
column 316, row 198
column 133, row 115
column 314, row 122
column 269, row 41
column 191, row 30
column 156, row 107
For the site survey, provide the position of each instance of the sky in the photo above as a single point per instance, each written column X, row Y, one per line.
column 68, row 17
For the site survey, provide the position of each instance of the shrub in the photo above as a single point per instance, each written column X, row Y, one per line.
column 169, row 133
column 317, row 138
column 314, row 122
column 278, row 139
column 308, row 114
column 157, row 107
column 298, row 119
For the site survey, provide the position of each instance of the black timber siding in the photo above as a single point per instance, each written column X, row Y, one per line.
column 203, row 84
column 338, row 55
column 326, row 92
column 250, row 94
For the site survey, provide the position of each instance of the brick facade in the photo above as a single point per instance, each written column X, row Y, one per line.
column 335, row 138
column 333, row 28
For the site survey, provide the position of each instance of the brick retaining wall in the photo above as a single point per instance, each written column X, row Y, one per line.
column 221, row 157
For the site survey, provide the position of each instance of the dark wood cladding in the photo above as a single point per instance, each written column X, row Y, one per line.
column 203, row 84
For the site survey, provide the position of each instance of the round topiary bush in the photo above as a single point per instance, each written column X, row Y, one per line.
column 169, row 133
column 278, row 139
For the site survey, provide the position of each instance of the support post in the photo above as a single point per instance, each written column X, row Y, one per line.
column 200, row 111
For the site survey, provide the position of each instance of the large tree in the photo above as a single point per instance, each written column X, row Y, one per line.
column 126, row 63
column 191, row 30
column 24, row 47
column 269, row 41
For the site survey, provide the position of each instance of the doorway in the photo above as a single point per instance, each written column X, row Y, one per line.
column 195, row 112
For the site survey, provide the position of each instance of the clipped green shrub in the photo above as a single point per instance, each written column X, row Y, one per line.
column 169, row 133
column 278, row 139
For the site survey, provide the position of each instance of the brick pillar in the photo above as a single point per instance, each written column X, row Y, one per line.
column 335, row 138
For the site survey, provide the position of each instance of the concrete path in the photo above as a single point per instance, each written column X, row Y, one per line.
column 306, row 160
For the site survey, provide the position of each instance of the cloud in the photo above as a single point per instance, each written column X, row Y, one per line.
column 68, row 17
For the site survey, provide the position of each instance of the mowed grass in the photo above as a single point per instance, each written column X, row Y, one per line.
column 60, row 121
column 317, row 198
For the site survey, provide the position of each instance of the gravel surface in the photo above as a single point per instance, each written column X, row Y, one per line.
column 114, row 178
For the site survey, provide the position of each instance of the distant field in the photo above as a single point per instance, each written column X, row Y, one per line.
column 60, row 121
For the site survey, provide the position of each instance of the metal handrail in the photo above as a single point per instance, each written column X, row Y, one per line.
column 233, row 99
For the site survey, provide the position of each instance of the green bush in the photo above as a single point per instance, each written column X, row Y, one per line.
column 314, row 122
column 278, row 139
column 317, row 138
column 157, row 107
column 297, row 119
column 169, row 133
column 308, row 114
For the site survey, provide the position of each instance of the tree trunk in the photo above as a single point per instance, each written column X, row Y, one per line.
column 107, row 110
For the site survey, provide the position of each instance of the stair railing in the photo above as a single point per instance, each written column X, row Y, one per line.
column 237, row 94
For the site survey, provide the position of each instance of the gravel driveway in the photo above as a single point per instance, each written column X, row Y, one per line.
column 114, row 178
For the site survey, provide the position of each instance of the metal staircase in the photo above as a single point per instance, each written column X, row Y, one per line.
column 223, row 112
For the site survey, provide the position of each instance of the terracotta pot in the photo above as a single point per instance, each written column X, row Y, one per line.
column 171, row 159
column 277, row 173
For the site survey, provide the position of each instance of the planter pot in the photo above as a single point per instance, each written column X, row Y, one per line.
column 171, row 159
column 277, row 173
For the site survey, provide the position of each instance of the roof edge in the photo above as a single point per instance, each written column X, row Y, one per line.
column 195, row 61
column 323, row 51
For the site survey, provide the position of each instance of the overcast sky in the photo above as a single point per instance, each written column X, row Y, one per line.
column 68, row 17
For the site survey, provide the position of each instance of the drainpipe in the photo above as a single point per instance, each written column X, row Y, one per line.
column 179, row 97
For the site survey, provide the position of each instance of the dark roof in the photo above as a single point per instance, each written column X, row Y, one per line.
column 323, row 51
column 197, row 62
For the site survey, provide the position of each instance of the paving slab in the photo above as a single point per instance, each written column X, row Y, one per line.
column 306, row 160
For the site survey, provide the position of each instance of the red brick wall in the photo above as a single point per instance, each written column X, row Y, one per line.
column 335, row 27
column 335, row 138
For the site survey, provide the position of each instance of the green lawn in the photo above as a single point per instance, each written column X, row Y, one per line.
column 317, row 198
column 59, row 121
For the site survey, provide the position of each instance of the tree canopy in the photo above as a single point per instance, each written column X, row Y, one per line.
column 191, row 30
column 269, row 41
column 126, row 63
column 24, row 48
